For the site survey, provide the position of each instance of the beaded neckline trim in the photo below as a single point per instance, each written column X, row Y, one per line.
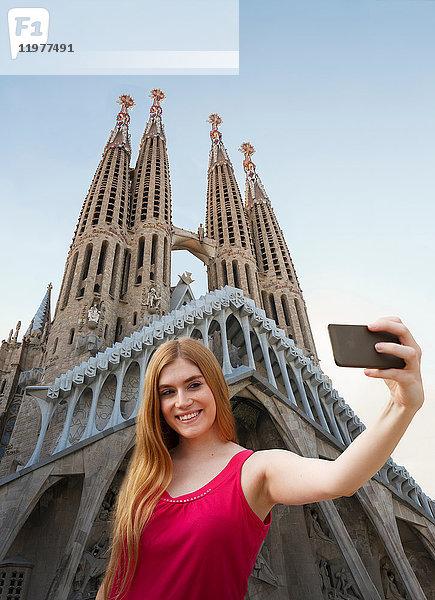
column 177, row 501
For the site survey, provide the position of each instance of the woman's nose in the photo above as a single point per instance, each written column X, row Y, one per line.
column 183, row 400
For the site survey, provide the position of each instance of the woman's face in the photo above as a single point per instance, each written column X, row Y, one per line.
column 186, row 401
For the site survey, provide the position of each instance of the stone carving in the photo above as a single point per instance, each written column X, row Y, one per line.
column 108, row 504
column 82, row 319
column 340, row 589
column 153, row 300
column 91, row 567
column 324, row 575
column 315, row 528
column 344, row 586
column 10, row 336
column 93, row 316
column 262, row 569
column 200, row 232
column 89, row 343
column 389, row 584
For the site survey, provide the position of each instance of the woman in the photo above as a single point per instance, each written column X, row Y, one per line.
column 195, row 506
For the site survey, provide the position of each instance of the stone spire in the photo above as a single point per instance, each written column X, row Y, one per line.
column 96, row 272
column 234, row 263
column 41, row 321
column 151, row 221
column 106, row 203
column 281, row 295
column 151, row 192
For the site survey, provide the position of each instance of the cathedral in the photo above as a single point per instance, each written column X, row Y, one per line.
column 71, row 388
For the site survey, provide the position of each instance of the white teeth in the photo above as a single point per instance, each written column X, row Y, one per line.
column 189, row 416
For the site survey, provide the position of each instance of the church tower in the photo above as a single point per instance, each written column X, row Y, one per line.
column 280, row 291
column 151, row 223
column 96, row 268
column 234, row 263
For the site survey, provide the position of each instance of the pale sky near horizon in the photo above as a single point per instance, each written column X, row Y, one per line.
column 337, row 97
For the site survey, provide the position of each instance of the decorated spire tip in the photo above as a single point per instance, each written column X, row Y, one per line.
column 248, row 150
column 50, row 286
column 127, row 103
column 215, row 120
column 158, row 96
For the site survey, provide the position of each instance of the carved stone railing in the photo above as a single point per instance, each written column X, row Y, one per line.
column 300, row 384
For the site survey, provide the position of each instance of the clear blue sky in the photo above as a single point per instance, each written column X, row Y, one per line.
column 338, row 99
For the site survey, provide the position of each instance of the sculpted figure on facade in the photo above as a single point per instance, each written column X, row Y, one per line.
column 262, row 568
column 389, row 583
column 153, row 300
column 93, row 316
column 315, row 528
column 345, row 586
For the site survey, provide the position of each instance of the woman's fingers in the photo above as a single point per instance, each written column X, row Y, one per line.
column 408, row 353
column 394, row 325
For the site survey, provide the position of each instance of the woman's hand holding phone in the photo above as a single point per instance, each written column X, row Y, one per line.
column 405, row 384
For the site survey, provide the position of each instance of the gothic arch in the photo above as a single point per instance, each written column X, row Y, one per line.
column 236, row 342
column 48, row 526
column 106, row 401
column 130, row 390
column 80, row 416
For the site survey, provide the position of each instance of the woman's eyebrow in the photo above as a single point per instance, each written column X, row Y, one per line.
column 198, row 376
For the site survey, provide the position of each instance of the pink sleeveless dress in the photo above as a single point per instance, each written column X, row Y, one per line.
column 201, row 545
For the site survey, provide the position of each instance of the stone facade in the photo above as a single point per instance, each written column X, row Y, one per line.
column 66, row 443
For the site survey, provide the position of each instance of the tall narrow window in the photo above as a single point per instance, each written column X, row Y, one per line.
column 224, row 272
column 273, row 307
column 140, row 259
column 85, row 271
column 265, row 302
column 165, row 261
column 102, row 258
column 114, row 271
column 118, row 330
column 286, row 311
column 248, row 279
column 125, row 273
column 236, row 274
column 154, row 250
column 71, row 336
column 70, row 280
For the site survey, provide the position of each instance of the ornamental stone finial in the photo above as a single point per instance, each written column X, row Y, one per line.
column 158, row 96
column 215, row 120
column 127, row 103
column 248, row 150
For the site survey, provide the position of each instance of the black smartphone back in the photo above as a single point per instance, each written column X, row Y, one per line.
column 354, row 346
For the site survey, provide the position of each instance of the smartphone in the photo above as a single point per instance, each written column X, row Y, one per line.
column 354, row 346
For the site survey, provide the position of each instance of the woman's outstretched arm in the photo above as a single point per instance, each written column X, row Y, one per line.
column 290, row 479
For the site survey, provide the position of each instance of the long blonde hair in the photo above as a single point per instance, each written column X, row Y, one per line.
column 150, row 470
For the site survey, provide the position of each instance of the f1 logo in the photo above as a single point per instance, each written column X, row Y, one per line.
column 27, row 26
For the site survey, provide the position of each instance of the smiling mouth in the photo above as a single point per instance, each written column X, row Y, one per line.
column 188, row 417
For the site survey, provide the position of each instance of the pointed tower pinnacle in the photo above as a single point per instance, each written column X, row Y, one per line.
column 42, row 317
column 151, row 222
column 119, row 136
column 96, row 269
column 106, row 202
column 281, row 294
column 234, row 263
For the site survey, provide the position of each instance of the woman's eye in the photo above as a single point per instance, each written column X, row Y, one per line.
column 195, row 384
column 165, row 392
